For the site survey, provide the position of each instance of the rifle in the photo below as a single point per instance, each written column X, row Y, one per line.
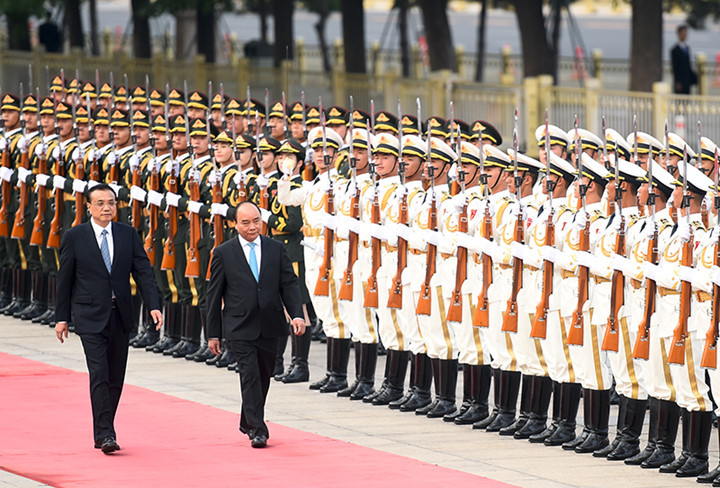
column 676, row 354
column 53, row 240
column 642, row 342
column 218, row 231
column 192, row 267
column 286, row 132
column 510, row 318
column 346, row 287
column 454, row 313
column 266, row 128
column 703, row 205
column 322, row 286
column 395, row 294
column 136, row 179
column 264, row 197
column 154, row 185
column 114, row 167
column 481, row 316
column 539, row 325
column 37, row 235
column 424, row 305
column 79, row 166
column 18, row 231
column 709, row 356
column 242, row 185
column 168, row 260
column 307, row 173
column 371, row 293
column 6, row 189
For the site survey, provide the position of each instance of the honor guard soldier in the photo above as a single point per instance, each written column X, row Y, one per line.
column 277, row 121
column 437, row 127
column 88, row 91
column 490, row 134
column 138, row 98
column 116, row 166
column 104, row 98
column 197, row 105
column 157, row 103
column 217, row 105
column 176, row 103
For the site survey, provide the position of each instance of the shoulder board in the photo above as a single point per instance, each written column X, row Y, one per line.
column 697, row 225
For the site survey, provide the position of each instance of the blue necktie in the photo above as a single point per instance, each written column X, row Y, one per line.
column 253, row 261
column 105, row 251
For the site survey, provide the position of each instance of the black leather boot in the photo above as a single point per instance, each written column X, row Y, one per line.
column 395, row 404
column 448, row 386
column 422, row 383
column 436, row 386
column 281, row 346
column 376, row 392
column 300, row 372
column 668, row 421
column 541, row 392
column 673, row 466
column 368, row 363
column 48, row 317
column 480, row 376
column 21, row 293
column 556, row 412
column 525, row 401
column 710, row 476
column 483, row 424
column 622, row 404
column 638, row 459
column 173, row 329
column 226, row 359
column 5, row 287
column 328, row 364
column 150, row 336
column 398, row 361
column 467, row 395
column 203, row 351
column 338, row 373
column 193, row 330
column 509, row 390
column 181, row 328
column 38, row 303
column 629, row 444
column 598, row 409
column 700, row 433
column 570, row 394
column 347, row 391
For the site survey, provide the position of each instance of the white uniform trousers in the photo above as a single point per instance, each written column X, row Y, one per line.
column 436, row 332
column 501, row 343
column 326, row 307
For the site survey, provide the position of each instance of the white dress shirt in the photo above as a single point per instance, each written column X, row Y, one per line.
column 246, row 249
column 98, row 236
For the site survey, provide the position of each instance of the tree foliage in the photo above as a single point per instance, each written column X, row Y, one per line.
column 17, row 14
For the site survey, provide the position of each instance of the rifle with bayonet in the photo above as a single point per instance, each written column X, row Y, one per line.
column 510, row 317
column 217, row 197
column 18, row 231
column 80, row 164
column 153, row 185
column 264, row 197
column 709, row 356
column 307, row 172
column 53, row 240
column 424, row 305
column 137, row 209
column 322, row 286
column 6, row 189
column 481, row 317
column 346, row 287
column 37, row 236
column 192, row 267
column 168, row 260
column 454, row 313
column 371, row 293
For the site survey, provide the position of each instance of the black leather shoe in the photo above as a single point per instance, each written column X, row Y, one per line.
column 531, row 427
column 673, row 466
column 145, row 340
column 424, row 410
column 572, row 442
column 41, row 318
column 395, row 405
column 594, row 442
column 442, row 408
column 476, row 413
column 169, row 351
column 319, row 383
column 109, row 445
column 659, row 458
column 710, row 476
column 603, row 452
column 364, row 389
column 259, row 441
column 232, row 366
column 693, row 467
column 346, row 392
column 483, row 424
column 640, row 457
column 298, row 374
column 335, row 383
column 201, row 355
column 390, row 394
column 188, row 348
column 225, row 360
column 464, row 407
column 502, row 421
column 418, row 399
column 624, row 450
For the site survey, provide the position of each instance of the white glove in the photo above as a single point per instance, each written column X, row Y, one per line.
column 458, row 202
column 212, row 178
column 116, row 188
column 133, row 162
column 617, row 221
column 23, row 175
column 518, row 251
column 59, row 182
column 41, row 179
column 3, row 144
column 6, row 173
column 219, row 209
column 92, row 183
column 585, row 259
column 262, row 181
column 23, row 144
column 330, row 221
column 79, row 186
column 486, row 203
column 40, row 151
column 432, row 237
column 686, row 273
column 55, row 154
column 77, row 156
column 111, row 159
column 91, row 154
column 378, row 232
column 137, row 193
column 549, row 253
column 452, row 172
column 287, row 166
column 172, row 199
column 265, row 214
column 581, row 218
column 155, row 198
column 651, row 271
column 684, row 230
column 715, row 275
column 194, row 206
column 237, row 179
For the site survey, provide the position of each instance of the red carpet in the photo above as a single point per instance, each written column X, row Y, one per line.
column 46, row 435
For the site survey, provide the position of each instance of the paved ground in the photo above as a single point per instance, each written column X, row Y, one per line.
column 433, row 441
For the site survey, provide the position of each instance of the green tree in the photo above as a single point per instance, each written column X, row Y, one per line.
column 17, row 14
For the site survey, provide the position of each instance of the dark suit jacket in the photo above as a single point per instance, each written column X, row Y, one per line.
column 84, row 286
column 240, row 308
column 682, row 70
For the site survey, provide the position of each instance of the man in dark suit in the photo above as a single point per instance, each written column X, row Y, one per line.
column 251, row 280
column 93, row 287
column 683, row 74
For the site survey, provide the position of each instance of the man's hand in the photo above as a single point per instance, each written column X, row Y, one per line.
column 298, row 326
column 157, row 318
column 214, row 345
column 61, row 328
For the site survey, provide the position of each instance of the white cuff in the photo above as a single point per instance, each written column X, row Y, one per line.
column 432, row 237
column 219, row 209
column 172, row 199
column 464, row 240
column 195, row 207
column 79, row 186
column 715, row 275
column 137, row 193
column 686, row 273
column 6, row 173
column 41, row 179
column 155, row 198
column 584, row 258
column 116, row 188
column 23, row 174
column 92, row 183
column 330, row 221
column 549, row 253
column 59, row 182
column 265, row 214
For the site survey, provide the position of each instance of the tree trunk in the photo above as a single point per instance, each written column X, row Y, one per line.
column 555, row 42
column 185, row 37
column 353, row 22
column 439, row 37
column 646, row 44
column 283, row 11
column 18, row 32
column 262, row 12
column 73, row 23
column 94, row 39
column 480, row 62
column 320, row 29
column 536, row 51
column 142, row 46
column 206, row 30
column 402, row 6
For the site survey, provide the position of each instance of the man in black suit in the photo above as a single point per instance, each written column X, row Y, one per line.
column 251, row 279
column 683, row 74
column 93, row 287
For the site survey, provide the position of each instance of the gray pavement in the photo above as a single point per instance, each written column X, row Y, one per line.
column 516, row 462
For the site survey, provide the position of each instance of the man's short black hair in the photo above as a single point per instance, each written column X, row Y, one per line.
column 99, row 187
column 232, row 213
column 681, row 27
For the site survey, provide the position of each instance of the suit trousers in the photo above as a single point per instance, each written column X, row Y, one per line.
column 256, row 361
column 106, row 356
